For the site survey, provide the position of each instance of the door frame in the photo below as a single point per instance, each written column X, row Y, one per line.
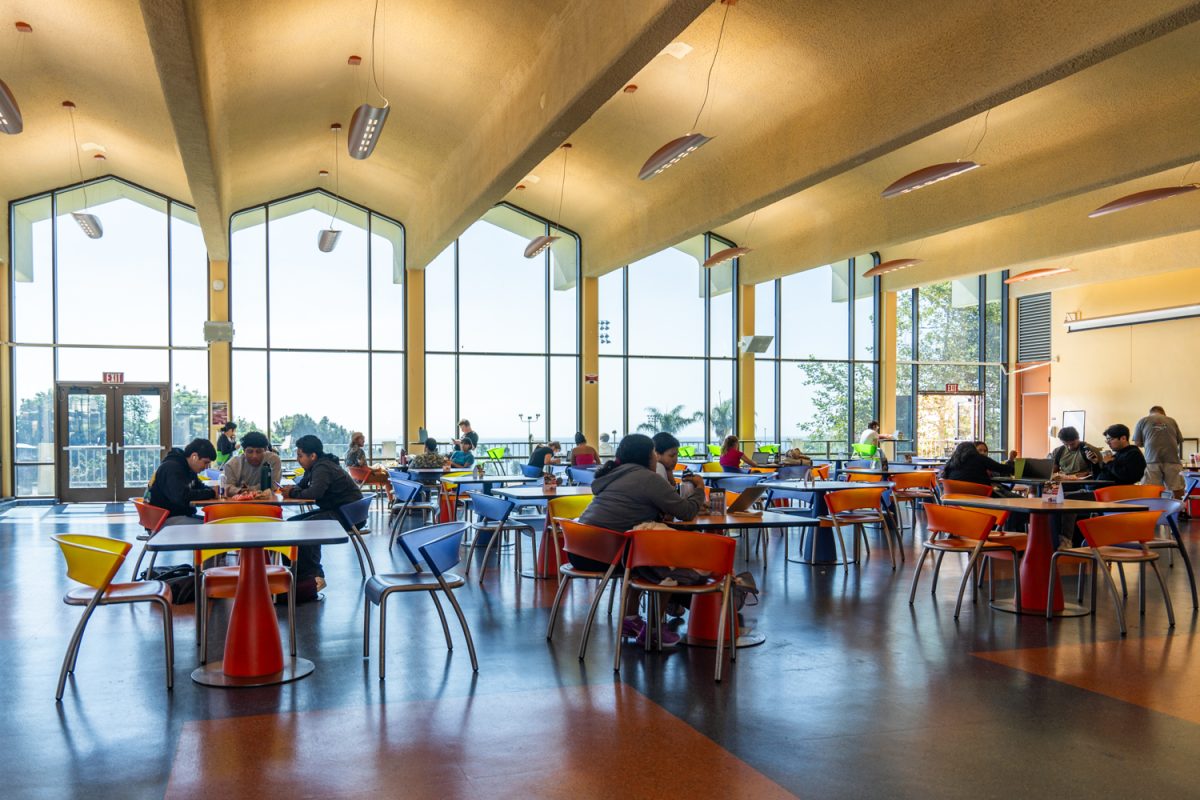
column 977, row 394
column 115, row 490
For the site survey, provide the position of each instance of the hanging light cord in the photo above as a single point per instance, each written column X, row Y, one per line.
column 78, row 161
column 337, row 180
column 982, row 136
column 374, row 76
column 1189, row 172
column 708, row 80
column 562, row 186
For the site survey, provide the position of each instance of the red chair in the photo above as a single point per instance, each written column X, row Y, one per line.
column 959, row 488
column 966, row 531
column 152, row 518
column 231, row 510
column 857, row 507
column 1113, row 494
column 598, row 544
column 704, row 552
column 1109, row 540
column 912, row 488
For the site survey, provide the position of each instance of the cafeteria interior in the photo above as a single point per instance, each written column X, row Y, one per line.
column 832, row 252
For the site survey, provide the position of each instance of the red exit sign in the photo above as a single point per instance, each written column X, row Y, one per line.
column 951, row 387
column 114, row 377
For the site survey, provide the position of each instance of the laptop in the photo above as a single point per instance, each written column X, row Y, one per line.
column 1036, row 468
column 761, row 457
column 746, row 499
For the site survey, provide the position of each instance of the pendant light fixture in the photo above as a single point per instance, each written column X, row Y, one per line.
column 1147, row 196
column 894, row 265
column 367, row 122
column 936, row 173
column 328, row 237
column 730, row 253
column 11, row 121
column 539, row 243
column 678, row 149
column 88, row 223
column 1034, row 274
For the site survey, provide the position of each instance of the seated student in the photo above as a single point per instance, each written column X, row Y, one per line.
column 627, row 493
column 970, row 463
column 1123, row 464
column 1073, row 458
column 175, row 485
column 430, row 459
column 583, row 454
column 545, row 454
column 666, row 447
column 227, row 443
column 463, row 457
column 330, row 487
column 256, row 470
column 356, row 456
column 731, row 456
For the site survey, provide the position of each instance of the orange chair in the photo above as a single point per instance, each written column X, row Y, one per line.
column 598, row 544
column 567, row 507
column 820, row 473
column 1109, row 539
column 94, row 562
column 912, row 488
column 966, row 531
column 705, row 552
column 952, row 488
column 1111, row 494
column 230, row 510
column 861, row 477
column 152, row 518
column 858, row 507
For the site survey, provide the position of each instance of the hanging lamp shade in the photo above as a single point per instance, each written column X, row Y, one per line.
column 1034, row 274
column 892, row 266
column 728, row 254
column 89, row 223
column 10, row 113
column 671, row 153
column 1141, row 198
column 365, row 127
column 539, row 244
column 327, row 240
column 927, row 176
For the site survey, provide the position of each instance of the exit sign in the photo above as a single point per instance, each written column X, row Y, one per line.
column 951, row 387
column 114, row 377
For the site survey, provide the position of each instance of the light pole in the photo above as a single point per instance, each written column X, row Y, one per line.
column 529, row 419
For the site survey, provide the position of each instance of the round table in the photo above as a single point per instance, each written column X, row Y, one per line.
column 1035, row 564
column 819, row 548
column 545, row 565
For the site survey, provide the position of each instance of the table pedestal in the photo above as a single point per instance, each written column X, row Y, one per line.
column 1035, row 574
column 704, row 621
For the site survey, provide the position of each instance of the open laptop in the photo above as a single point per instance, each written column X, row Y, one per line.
column 761, row 457
column 1037, row 468
column 746, row 499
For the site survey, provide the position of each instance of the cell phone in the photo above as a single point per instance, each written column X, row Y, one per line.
column 687, row 473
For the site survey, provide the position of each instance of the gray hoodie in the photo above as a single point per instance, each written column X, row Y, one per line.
column 631, row 495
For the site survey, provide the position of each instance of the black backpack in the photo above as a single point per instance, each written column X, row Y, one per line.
column 181, row 578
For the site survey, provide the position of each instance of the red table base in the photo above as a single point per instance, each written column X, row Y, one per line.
column 1035, row 567
column 704, row 622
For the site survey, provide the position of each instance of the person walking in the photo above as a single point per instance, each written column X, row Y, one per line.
column 1159, row 437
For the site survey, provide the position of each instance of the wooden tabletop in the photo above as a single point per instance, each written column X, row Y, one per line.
column 1037, row 505
column 712, row 522
column 1040, row 481
column 540, row 493
column 247, row 534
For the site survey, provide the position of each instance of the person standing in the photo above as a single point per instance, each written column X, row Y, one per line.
column 1158, row 435
column 227, row 443
column 464, row 428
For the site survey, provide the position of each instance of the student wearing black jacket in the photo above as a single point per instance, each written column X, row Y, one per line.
column 968, row 464
column 1124, row 466
column 330, row 487
column 175, row 484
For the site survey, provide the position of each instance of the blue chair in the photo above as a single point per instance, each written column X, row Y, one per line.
column 408, row 498
column 530, row 471
column 491, row 517
column 353, row 517
column 398, row 474
column 581, row 477
column 732, row 469
column 437, row 547
column 1169, row 519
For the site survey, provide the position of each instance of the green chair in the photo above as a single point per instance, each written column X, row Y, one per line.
column 497, row 454
column 687, row 451
column 769, row 448
column 714, row 450
column 865, row 450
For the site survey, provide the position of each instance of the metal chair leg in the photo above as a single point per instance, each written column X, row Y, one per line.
column 466, row 631
column 563, row 580
column 382, row 634
column 619, row 623
column 912, row 593
column 1166, row 595
column 968, row 574
column 72, row 653
column 366, row 627
column 442, row 616
column 168, row 640
column 587, row 625
column 725, row 592
column 1116, row 595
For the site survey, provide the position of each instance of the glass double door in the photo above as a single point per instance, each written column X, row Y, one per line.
column 944, row 419
column 110, row 439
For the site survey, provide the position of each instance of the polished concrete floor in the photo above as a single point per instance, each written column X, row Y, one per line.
column 854, row 694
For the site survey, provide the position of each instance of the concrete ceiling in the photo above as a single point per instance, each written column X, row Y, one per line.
column 814, row 107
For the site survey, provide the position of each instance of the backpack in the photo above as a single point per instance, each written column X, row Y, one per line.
column 181, row 578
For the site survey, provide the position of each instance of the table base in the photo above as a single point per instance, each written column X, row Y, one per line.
column 745, row 639
column 1068, row 609
column 212, row 674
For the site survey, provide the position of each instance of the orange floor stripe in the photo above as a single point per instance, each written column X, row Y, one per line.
column 1155, row 672
column 575, row 742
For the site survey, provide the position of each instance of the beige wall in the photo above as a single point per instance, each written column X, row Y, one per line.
column 1116, row 374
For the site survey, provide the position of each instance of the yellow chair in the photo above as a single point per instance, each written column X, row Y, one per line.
column 564, row 508
column 711, row 466
column 93, row 561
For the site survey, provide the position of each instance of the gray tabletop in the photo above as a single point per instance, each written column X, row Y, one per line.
column 490, row 479
column 538, row 493
column 827, row 486
column 247, row 534
column 767, row 519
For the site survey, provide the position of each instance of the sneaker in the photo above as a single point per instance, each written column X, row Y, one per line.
column 676, row 609
column 633, row 628
column 669, row 637
column 320, row 583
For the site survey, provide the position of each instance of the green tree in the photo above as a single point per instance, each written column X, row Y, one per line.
column 294, row 426
column 721, row 417
column 189, row 415
column 671, row 421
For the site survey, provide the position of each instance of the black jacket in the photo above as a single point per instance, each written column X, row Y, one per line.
column 976, row 468
column 175, row 486
column 1127, row 467
column 327, row 484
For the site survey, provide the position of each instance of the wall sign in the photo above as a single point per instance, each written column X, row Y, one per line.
column 114, row 377
column 951, row 387
column 219, row 411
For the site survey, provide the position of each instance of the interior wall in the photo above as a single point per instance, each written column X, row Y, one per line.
column 1116, row 374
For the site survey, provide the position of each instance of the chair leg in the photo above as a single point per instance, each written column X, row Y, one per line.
column 912, row 593
column 442, row 616
column 382, row 633
column 842, row 546
column 470, row 552
column 487, row 551
column 168, row 640
column 291, row 604
column 1187, row 562
column 619, row 623
column 72, row 653
column 466, row 631
column 1124, row 588
column 1142, row 589
column 968, row 574
column 725, row 592
column 563, row 580
column 367, row 555
column 366, row 627
column 587, row 625
column 937, row 570
column 1166, row 595
column 1017, row 580
column 361, row 567
column 1100, row 567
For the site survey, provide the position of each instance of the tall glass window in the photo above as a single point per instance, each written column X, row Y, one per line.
column 815, row 387
column 502, row 334
column 318, row 337
column 133, row 301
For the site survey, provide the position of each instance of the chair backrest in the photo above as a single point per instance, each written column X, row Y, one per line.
column 963, row 487
column 441, row 555
column 700, row 551
column 680, row 467
column 569, row 506
column 589, row 541
column 854, row 499
column 204, row 555
column 496, row 453
column 212, row 474
column 405, row 491
column 714, row 450
column 915, row 480
column 583, row 477
column 966, row 523
column 711, row 466
column 490, row 508
column 91, row 560
column 395, row 473
column 1136, row 526
column 687, row 451
column 228, row 510
column 150, row 517
column 999, row 515
column 1168, row 509
column 769, row 448
column 860, row 477
column 1111, row 494
column 859, row 463
column 864, row 450
column 821, row 471
column 412, row 541
column 354, row 514
column 530, row 471
column 360, row 474
column 796, row 472
column 740, row 484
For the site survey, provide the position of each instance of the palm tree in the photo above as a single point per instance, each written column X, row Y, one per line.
column 671, row 421
column 722, row 417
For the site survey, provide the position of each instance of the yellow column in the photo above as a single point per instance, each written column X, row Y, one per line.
column 414, row 321
column 590, row 357
column 745, row 401
column 887, row 362
column 220, row 367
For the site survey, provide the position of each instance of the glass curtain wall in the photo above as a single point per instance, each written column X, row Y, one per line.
column 502, row 335
column 815, row 386
column 133, row 301
column 951, row 343
column 667, row 345
column 319, row 338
